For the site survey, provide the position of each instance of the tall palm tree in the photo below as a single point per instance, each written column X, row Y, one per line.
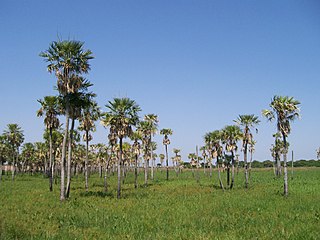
column 68, row 60
column 122, row 115
column 285, row 109
column 166, row 141
column 247, row 122
column 230, row 136
column 14, row 137
column 50, row 108
column 90, row 114
column 153, row 120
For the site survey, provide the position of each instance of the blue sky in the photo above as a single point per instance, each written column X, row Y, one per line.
column 196, row 64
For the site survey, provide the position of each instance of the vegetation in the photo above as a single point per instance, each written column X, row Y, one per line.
column 176, row 209
column 189, row 205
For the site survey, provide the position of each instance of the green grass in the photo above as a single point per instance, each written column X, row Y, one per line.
column 179, row 208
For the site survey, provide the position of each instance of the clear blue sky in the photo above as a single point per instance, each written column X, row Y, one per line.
column 196, row 64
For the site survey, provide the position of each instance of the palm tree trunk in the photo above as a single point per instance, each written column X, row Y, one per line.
column 105, row 176
column 69, row 159
column 50, row 160
column 0, row 169
column 245, row 156
column 285, row 166
column 146, row 166
column 63, row 157
column 15, row 160
column 119, row 170
column 167, row 161
column 86, row 163
column 136, row 172
column 219, row 175
column 232, row 173
column 210, row 168
column 151, row 157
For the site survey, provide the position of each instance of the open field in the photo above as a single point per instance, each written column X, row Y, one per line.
column 179, row 208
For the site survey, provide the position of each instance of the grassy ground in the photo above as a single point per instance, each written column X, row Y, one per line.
column 179, row 208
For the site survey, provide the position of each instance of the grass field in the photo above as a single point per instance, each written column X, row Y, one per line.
column 179, row 208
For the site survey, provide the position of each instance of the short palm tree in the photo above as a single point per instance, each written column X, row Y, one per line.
column 247, row 122
column 230, row 136
column 50, row 108
column 90, row 114
column 68, row 60
column 166, row 141
column 153, row 120
column 15, row 137
column 122, row 115
column 285, row 109
column 145, row 129
column 136, row 150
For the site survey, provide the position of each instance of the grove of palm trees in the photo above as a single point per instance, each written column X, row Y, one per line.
column 141, row 120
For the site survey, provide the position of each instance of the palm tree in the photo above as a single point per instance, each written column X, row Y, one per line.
column 27, row 155
column 176, row 159
column 67, row 59
column 4, row 150
column 286, row 110
column 161, row 157
column 166, row 141
column 212, row 143
column 122, row 115
column 50, row 108
column 153, row 120
column 145, row 128
column 247, row 122
column 230, row 136
column 90, row 114
column 14, row 137
column 136, row 147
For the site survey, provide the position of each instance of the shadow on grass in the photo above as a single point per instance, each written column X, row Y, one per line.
column 96, row 194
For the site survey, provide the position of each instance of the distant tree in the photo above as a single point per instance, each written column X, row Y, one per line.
column 230, row 136
column 15, row 137
column 286, row 110
column 247, row 122
column 136, row 149
column 166, row 141
column 50, row 108
column 122, row 115
column 4, row 151
column 153, row 120
column 27, row 155
column 318, row 153
column 90, row 114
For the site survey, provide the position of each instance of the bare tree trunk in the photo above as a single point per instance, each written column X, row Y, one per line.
column 232, row 173
column 146, row 166
column 245, row 156
column 63, row 157
column 219, row 175
column 69, row 160
column 292, row 165
column 50, row 160
column 151, row 155
column 285, row 166
column 167, row 161
column 119, row 170
column 136, row 172
column 86, row 163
